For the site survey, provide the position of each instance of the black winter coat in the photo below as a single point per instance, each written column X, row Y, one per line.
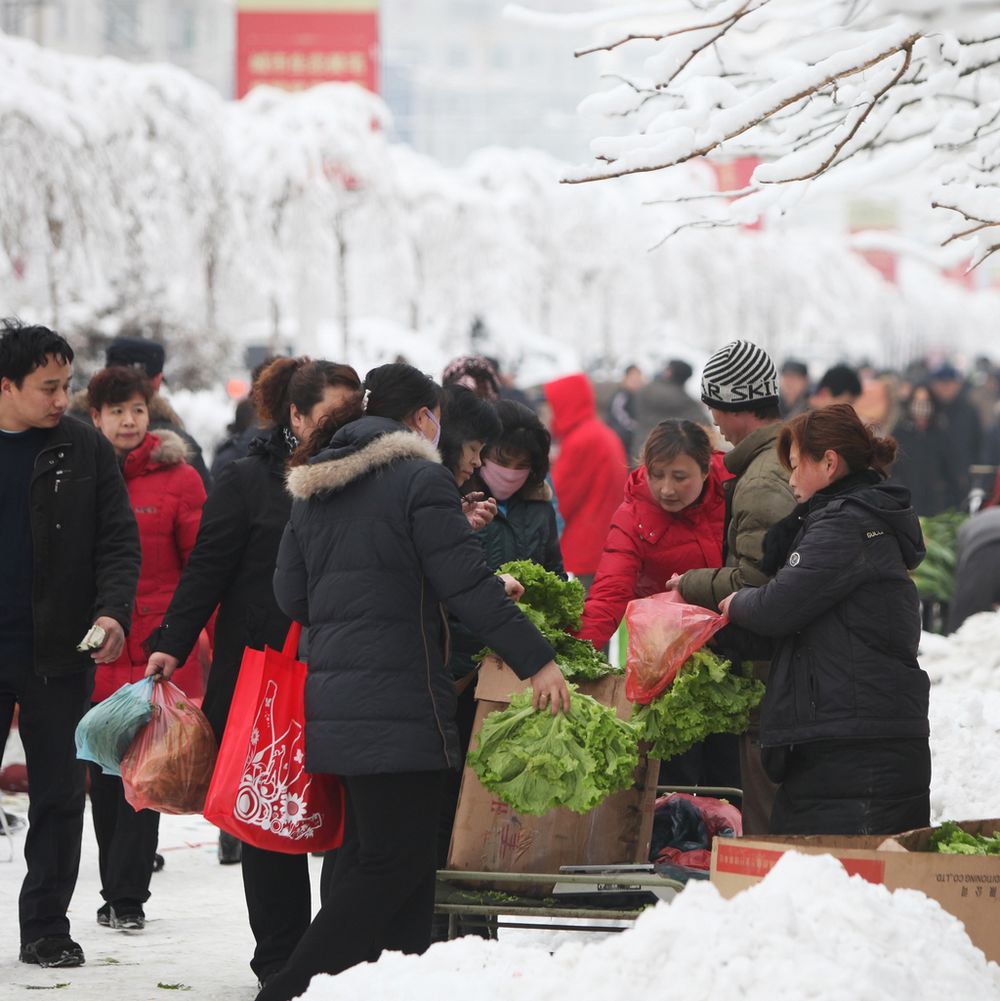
column 231, row 567
column 377, row 548
column 524, row 529
column 85, row 542
column 847, row 620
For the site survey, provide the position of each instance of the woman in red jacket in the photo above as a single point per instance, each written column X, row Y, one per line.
column 670, row 521
column 167, row 497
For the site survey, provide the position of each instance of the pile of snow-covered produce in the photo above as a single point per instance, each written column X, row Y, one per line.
column 807, row 931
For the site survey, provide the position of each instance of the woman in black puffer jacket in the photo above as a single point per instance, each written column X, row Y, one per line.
column 844, row 721
column 376, row 552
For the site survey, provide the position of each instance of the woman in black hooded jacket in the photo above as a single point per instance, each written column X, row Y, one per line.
column 377, row 551
column 231, row 567
column 844, row 726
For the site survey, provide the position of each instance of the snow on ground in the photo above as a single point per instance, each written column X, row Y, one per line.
column 807, row 931
column 965, row 719
column 197, row 934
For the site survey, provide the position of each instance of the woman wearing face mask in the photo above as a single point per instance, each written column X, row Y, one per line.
column 167, row 497
column 670, row 522
column 926, row 462
column 844, row 719
column 376, row 552
column 231, row 567
column 511, row 477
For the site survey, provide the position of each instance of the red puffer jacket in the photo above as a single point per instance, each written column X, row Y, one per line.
column 167, row 496
column 646, row 546
column 588, row 474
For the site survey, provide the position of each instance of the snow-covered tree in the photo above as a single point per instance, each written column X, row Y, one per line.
column 832, row 96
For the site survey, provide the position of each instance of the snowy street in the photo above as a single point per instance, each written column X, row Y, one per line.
column 197, row 939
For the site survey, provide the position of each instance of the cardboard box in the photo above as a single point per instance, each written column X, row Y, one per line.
column 490, row 836
column 967, row 886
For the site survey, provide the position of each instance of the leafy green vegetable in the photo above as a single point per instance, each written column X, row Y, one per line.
column 560, row 601
column 554, row 605
column 935, row 577
column 707, row 696
column 950, row 839
column 536, row 761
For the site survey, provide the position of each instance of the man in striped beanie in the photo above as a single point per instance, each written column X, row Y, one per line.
column 740, row 388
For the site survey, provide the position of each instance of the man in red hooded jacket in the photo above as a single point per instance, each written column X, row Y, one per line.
column 588, row 473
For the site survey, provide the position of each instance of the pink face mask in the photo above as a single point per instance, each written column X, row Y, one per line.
column 503, row 482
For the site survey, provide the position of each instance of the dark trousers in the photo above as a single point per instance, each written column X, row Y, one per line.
column 382, row 893
column 50, row 711
column 126, row 840
column 758, row 788
column 279, row 905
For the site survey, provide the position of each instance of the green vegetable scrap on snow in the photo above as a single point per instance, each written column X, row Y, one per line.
column 706, row 697
column 555, row 605
column 950, row 839
column 536, row 762
column 935, row 577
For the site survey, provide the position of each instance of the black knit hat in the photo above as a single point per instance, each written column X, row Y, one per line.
column 740, row 376
column 138, row 352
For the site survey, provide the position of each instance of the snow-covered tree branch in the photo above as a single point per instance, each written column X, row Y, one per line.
column 843, row 92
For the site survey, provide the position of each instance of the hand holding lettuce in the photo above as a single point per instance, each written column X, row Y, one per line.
column 554, row 606
column 537, row 762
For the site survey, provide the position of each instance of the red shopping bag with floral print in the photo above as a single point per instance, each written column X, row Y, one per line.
column 261, row 792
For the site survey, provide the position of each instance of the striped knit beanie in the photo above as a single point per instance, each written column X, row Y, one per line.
column 740, row 376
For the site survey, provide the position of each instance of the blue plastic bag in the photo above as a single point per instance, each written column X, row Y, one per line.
column 106, row 732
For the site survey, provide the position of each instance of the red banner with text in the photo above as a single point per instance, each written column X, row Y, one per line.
column 293, row 44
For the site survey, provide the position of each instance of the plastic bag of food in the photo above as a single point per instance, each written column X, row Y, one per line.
column 169, row 765
column 106, row 731
column 663, row 631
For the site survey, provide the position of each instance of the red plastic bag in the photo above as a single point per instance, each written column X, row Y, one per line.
column 169, row 764
column 663, row 631
column 261, row 792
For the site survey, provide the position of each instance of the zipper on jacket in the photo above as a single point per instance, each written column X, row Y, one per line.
column 427, row 668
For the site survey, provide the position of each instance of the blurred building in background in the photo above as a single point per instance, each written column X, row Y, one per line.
column 456, row 74
column 196, row 35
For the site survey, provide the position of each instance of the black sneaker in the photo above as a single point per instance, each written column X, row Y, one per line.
column 53, row 950
column 230, row 849
column 158, row 862
column 104, row 915
column 127, row 915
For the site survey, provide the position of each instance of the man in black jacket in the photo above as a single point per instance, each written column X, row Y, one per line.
column 70, row 553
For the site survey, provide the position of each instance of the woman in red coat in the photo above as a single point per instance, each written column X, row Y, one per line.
column 588, row 472
column 167, row 497
column 670, row 521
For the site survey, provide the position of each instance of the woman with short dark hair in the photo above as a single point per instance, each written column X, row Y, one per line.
column 844, row 727
column 167, row 495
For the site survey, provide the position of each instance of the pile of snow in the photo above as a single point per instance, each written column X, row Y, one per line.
column 970, row 656
column 808, row 930
column 965, row 719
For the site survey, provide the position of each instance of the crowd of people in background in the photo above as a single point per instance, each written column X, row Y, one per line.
column 377, row 512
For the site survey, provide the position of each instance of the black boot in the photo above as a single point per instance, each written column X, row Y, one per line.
column 230, row 849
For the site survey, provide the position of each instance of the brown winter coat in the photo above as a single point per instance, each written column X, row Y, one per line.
column 758, row 497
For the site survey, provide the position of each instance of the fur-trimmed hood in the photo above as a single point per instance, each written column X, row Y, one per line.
column 158, row 450
column 357, row 449
column 172, row 449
